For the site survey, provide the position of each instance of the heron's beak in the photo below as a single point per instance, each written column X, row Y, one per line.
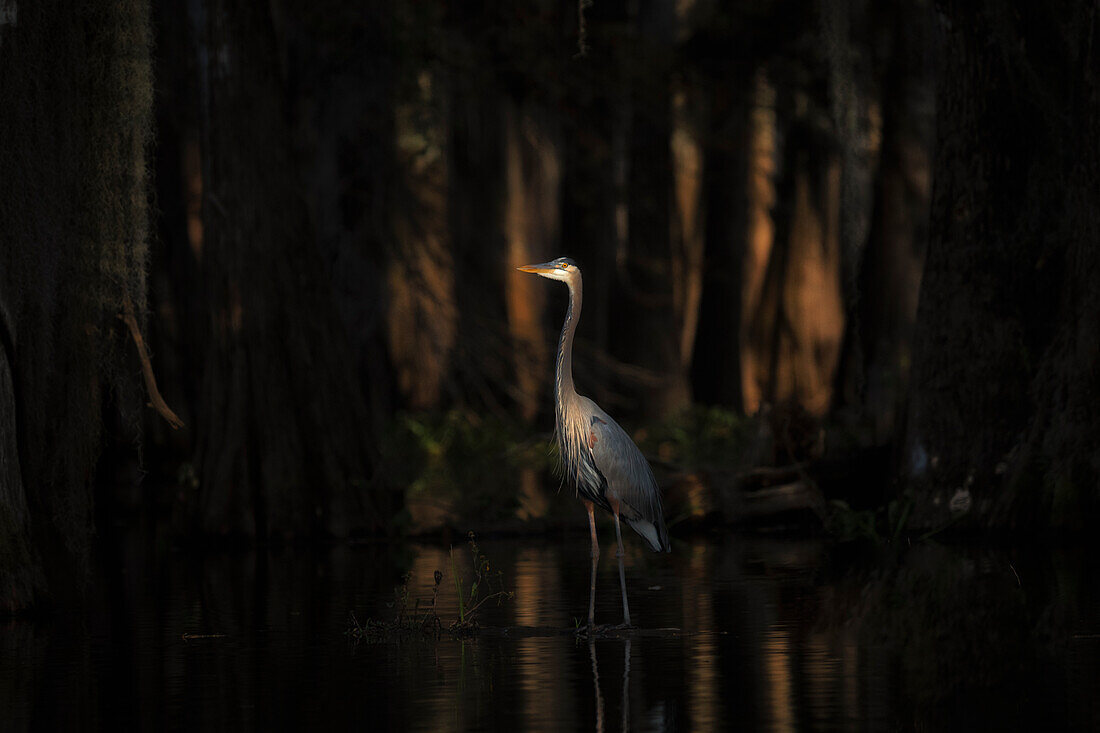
column 544, row 267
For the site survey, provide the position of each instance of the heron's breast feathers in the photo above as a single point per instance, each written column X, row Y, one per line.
column 576, row 443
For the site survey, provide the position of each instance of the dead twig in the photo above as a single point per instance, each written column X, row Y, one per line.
column 156, row 401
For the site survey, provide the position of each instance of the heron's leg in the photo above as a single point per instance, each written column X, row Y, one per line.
column 619, row 554
column 595, row 557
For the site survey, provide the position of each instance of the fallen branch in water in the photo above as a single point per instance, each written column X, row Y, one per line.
column 155, row 400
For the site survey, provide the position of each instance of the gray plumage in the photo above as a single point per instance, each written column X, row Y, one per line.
column 597, row 455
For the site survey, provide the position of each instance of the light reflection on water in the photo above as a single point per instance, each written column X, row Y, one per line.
column 736, row 632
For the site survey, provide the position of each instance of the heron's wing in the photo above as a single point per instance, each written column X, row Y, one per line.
column 629, row 478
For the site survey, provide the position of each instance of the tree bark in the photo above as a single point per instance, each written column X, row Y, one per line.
column 651, row 337
column 873, row 376
column 531, row 222
column 594, row 202
column 716, row 368
column 688, row 233
column 763, row 147
column 483, row 361
column 77, row 89
column 285, row 445
column 422, row 317
column 797, row 321
column 1002, row 418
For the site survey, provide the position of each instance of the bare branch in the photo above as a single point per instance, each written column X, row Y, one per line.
column 155, row 400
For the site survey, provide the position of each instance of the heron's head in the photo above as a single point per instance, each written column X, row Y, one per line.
column 562, row 268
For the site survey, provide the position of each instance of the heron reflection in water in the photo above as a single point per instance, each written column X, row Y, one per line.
column 624, row 703
column 597, row 455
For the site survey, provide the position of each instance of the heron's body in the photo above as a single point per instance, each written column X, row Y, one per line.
column 605, row 466
column 597, row 455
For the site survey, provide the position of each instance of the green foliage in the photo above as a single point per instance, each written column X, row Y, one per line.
column 470, row 603
column 698, row 436
column 847, row 524
column 463, row 458
column 886, row 525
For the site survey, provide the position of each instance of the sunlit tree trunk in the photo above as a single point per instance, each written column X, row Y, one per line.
column 810, row 318
column 797, row 321
column 688, row 231
column 531, row 224
column 761, row 198
column 1002, row 419
column 284, row 440
column 76, row 85
column 689, row 127
column 422, row 316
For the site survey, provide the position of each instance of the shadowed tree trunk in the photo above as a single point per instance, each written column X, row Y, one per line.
column 894, row 257
column 594, row 197
column 854, row 113
column 284, row 440
column 483, row 363
column 351, row 93
column 716, row 369
column 75, row 80
column 872, row 380
column 652, row 337
column 1003, row 415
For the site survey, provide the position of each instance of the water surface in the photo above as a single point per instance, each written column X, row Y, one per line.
column 735, row 632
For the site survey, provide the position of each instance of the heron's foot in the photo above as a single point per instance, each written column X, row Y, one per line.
column 594, row 630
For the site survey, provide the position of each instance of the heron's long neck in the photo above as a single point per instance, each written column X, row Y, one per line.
column 564, row 382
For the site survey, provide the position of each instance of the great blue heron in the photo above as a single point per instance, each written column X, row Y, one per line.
column 597, row 455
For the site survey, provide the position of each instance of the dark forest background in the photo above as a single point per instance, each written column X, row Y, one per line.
column 854, row 242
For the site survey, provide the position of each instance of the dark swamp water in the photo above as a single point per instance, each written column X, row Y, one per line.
column 771, row 633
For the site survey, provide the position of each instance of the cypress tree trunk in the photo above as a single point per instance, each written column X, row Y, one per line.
column 716, row 369
column 531, row 223
column 422, row 318
column 873, row 376
column 793, row 342
column 594, row 221
column 74, row 121
column 651, row 337
column 894, row 258
column 1003, row 415
column 284, row 442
